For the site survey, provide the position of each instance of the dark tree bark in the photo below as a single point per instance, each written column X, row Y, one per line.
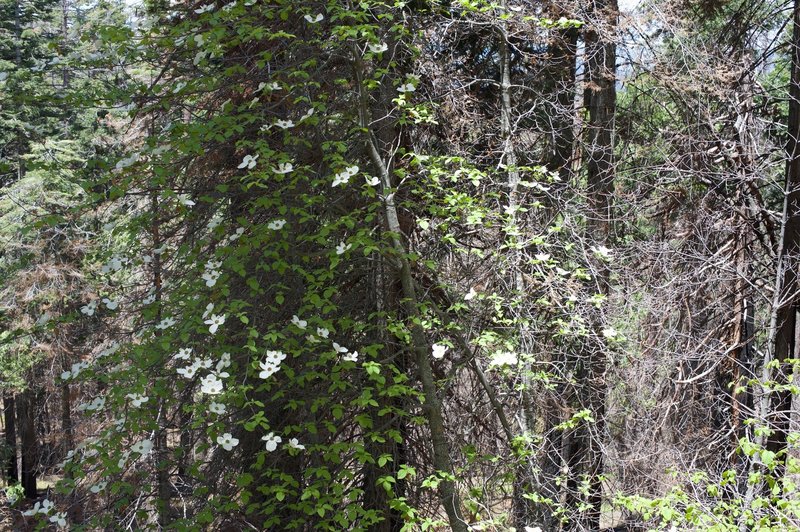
column 12, row 473
column 561, row 79
column 562, row 53
column 375, row 496
column 600, row 98
column 584, row 452
column 160, row 441
column 18, row 61
column 68, row 441
column 29, row 448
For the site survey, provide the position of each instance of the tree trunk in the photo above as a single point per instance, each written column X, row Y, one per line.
column 432, row 407
column 160, row 445
column 26, row 409
column 562, row 51
column 68, row 441
column 65, row 36
column 12, row 473
column 389, row 295
column 600, row 98
column 18, row 64
column 561, row 79
column 585, row 453
column 786, row 313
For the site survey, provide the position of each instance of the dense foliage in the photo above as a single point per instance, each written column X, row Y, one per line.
column 399, row 265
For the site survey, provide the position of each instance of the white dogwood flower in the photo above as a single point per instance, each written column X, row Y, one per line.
column 602, row 252
column 239, row 232
column 89, row 308
column 137, row 399
column 283, row 168
column 504, row 358
column 276, row 357
column 166, row 323
column 272, row 440
column 110, row 350
column 210, row 384
column 113, row 265
column 143, row 447
column 224, row 362
column 344, row 176
column 96, row 404
column 268, row 369
column 307, row 114
column 214, row 322
column 378, row 48
column 185, row 200
column 190, row 370
column 248, row 162
column 610, row 332
column 227, row 441
column 438, row 350
column 60, row 519
column 40, row 508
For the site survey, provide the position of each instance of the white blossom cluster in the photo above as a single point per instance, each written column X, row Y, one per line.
column 271, row 364
column 45, row 507
column 212, row 272
column 344, row 176
column 75, row 370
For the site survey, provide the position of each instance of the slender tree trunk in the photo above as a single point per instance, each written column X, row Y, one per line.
column 735, row 381
column 422, row 351
column 786, row 315
column 64, row 37
column 160, row 445
column 18, row 33
column 68, row 441
column 18, row 64
column 527, row 417
column 389, row 295
column 186, row 444
column 26, row 409
column 432, row 407
column 586, row 453
column 9, row 412
column 65, row 70
column 561, row 76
